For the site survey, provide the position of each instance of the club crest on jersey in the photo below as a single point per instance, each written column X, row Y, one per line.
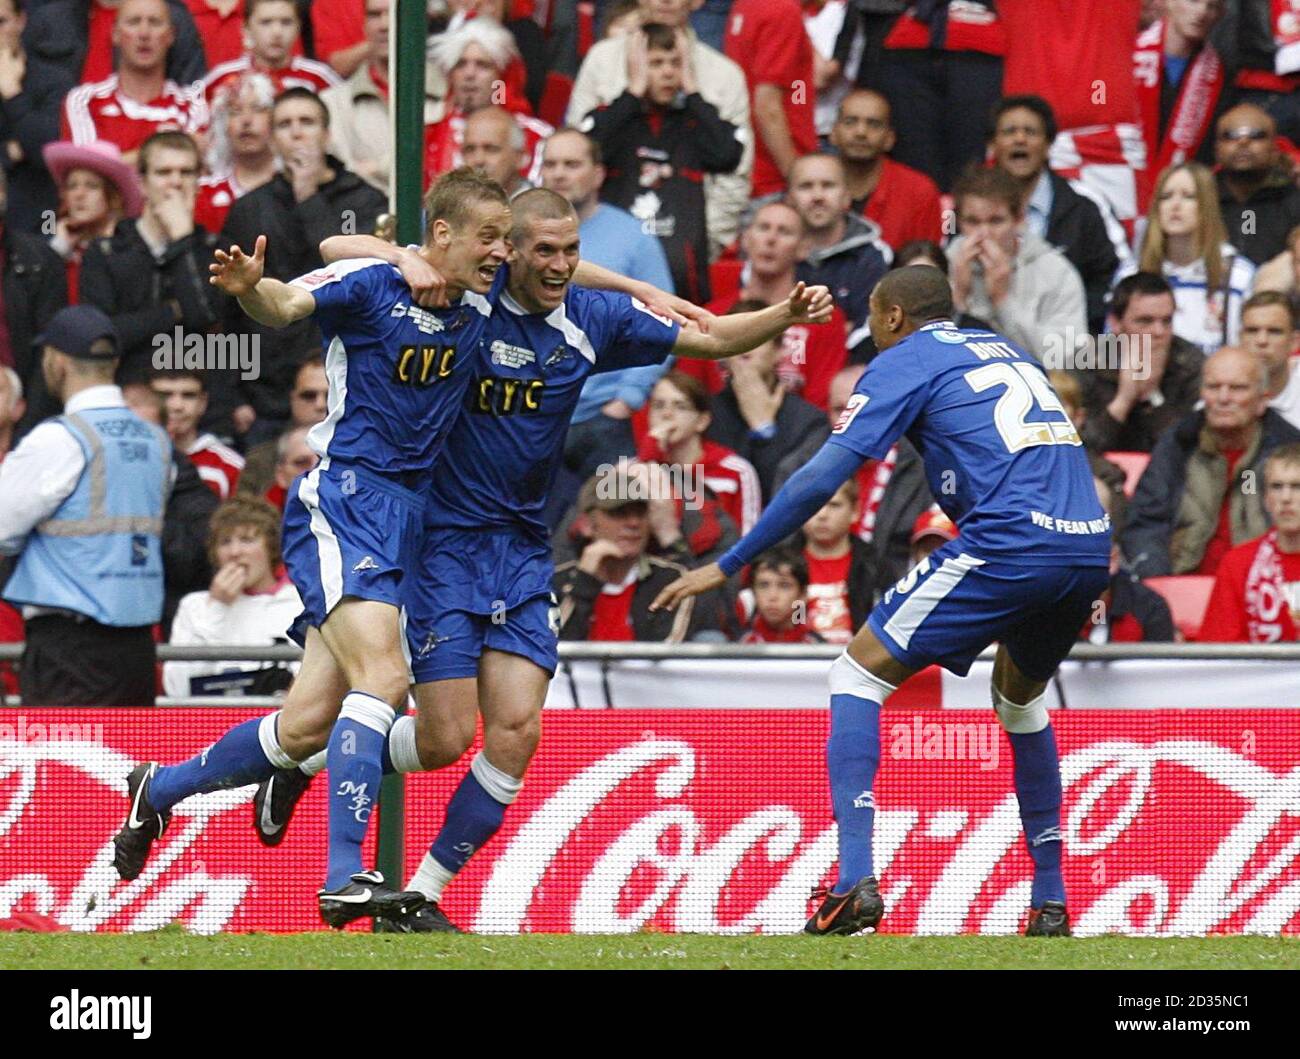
column 857, row 402
column 424, row 365
column 505, row 355
column 424, row 320
column 558, row 356
column 953, row 338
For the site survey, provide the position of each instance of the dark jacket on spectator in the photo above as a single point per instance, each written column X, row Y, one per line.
column 795, row 419
column 660, row 155
column 59, row 32
column 1175, row 512
column 35, row 288
column 905, row 497
column 294, row 231
column 1272, row 211
column 1136, row 614
column 1077, row 229
column 850, row 268
column 31, row 119
column 1180, row 386
column 141, row 293
column 578, row 590
column 185, row 537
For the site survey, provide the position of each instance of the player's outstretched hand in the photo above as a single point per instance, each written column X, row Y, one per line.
column 695, row 582
column 811, row 305
column 235, row 272
column 428, row 285
column 679, row 309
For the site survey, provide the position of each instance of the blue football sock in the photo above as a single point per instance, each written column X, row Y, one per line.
column 1038, row 789
column 852, row 757
column 237, row 759
column 353, row 759
column 474, row 813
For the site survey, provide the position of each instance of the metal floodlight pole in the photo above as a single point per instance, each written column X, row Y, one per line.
column 406, row 74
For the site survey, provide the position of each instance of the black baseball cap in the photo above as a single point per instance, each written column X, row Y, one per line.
column 76, row 329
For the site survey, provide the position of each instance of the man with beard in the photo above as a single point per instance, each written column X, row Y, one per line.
column 1257, row 193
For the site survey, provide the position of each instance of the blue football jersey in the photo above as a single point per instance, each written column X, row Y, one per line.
column 1001, row 455
column 397, row 372
column 505, row 450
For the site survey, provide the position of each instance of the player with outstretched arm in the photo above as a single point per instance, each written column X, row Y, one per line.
column 1032, row 557
column 398, row 372
column 481, row 619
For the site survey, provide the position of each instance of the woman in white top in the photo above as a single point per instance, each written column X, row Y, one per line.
column 249, row 603
column 1185, row 241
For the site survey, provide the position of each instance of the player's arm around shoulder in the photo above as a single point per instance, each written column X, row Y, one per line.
column 729, row 335
column 428, row 285
column 268, row 301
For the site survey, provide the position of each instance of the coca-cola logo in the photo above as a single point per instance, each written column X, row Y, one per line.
column 706, row 820
column 1178, row 836
column 30, row 771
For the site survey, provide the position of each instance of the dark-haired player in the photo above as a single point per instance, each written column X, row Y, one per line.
column 481, row 620
column 1009, row 469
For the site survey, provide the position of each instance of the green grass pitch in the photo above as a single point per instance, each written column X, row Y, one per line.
column 173, row 948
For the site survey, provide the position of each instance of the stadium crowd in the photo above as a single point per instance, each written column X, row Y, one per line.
column 1112, row 184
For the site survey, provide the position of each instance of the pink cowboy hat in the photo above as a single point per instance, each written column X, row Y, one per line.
column 99, row 157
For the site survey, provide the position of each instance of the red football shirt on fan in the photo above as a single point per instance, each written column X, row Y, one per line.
column 813, row 354
column 1221, row 543
column 1226, row 619
column 215, row 197
column 299, row 73
column 218, row 465
column 99, row 111
column 98, row 63
column 222, row 35
column 970, row 26
column 761, row 632
column 338, row 25
column 828, row 597
column 906, row 205
column 444, row 138
column 611, row 619
column 1076, row 54
column 767, row 39
column 12, row 630
column 731, row 477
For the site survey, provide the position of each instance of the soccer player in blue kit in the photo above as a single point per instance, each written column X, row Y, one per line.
column 480, row 617
column 1007, row 466
column 397, row 375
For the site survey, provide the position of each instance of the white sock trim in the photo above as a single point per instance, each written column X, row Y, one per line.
column 402, row 750
column 270, row 741
column 430, row 879
column 365, row 709
column 1021, row 719
column 314, row 764
column 500, row 786
column 849, row 677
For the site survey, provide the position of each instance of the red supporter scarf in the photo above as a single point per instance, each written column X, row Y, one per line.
column 1286, row 35
column 870, row 503
column 1197, row 96
column 1268, row 616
